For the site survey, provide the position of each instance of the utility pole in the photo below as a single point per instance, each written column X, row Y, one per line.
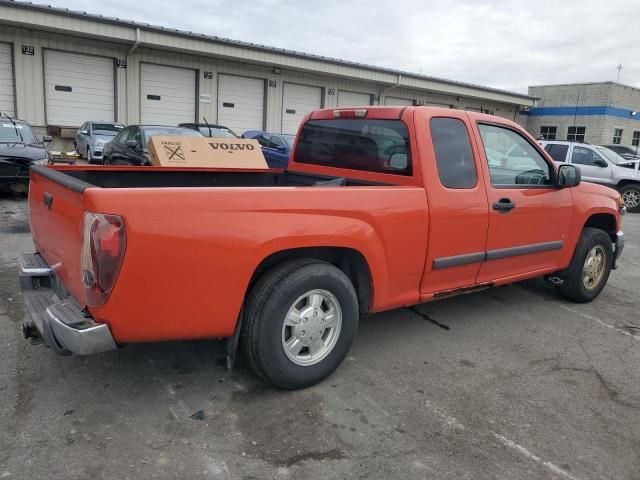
column 619, row 67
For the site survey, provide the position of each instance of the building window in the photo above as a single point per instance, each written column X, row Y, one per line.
column 617, row 136
column 548, row 133
column 635, row 141
column 576, row 134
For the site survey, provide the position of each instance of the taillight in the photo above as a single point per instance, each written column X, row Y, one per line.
column 104, row 241
column 358, row 113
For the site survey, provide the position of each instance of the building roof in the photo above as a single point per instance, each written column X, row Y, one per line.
column 583, row 84
column 524, row 98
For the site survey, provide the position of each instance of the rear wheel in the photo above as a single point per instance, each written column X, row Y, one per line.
column 300, row 321
column 631, row 197
column 590, row 267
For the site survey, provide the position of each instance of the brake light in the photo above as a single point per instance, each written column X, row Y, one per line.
column 104, row 241
column 358, row 113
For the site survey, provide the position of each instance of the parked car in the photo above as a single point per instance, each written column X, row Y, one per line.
column 91, row 138
column 208, row 130
column 379, row 208
column 276, row 147
column 625, row 151
column 601, row 165
column 20, row 148
column 129, row 147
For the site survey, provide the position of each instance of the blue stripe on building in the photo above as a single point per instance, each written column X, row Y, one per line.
column 582, row 112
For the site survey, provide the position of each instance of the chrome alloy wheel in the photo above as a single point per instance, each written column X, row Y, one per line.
column 594, row 267
column 311, row 327
column 631, row 198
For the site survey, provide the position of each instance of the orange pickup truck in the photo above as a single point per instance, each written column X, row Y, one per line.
column 380, row 208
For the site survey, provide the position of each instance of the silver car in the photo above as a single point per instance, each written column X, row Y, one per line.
column 600, row 165
column 91, row 138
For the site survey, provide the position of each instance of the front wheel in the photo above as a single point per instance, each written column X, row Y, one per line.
column 590, row 267
column 89, row 156
column 300, row 321
column 631, row 197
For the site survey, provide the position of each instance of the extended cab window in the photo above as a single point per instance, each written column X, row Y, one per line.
column 454, row 158
column 356, row 144
column 512, row 159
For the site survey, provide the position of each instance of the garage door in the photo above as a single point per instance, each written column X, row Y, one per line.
column 167, row 94
column 398, row 101
column 7, row 101
column 240, row 103
column 78, row 88
column 353, row 99
column 297, row 101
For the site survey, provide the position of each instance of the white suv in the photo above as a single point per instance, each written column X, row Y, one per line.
column 600, row 165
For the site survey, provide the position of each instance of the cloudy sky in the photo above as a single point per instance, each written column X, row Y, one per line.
column 506, row 44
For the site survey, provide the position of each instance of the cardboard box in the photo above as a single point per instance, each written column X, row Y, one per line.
column 204, row 152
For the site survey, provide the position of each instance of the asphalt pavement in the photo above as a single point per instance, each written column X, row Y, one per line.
column 510, row 383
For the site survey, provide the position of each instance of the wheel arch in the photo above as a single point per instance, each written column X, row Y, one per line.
column 349, row 260
column 627, row 181
column 603, row 221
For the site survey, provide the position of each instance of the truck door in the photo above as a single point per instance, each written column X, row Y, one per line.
column 458, row 208
column 529, row 218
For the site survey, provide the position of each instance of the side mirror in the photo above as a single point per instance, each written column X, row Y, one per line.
column 84, row 132
column 398, row 161
column 568, row 176
column 47, row 138
column 133, row 144
column 598, row 162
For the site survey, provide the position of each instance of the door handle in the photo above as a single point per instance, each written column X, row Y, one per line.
column 504, row 205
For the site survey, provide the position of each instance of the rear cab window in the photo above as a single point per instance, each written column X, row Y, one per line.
column 373, row 145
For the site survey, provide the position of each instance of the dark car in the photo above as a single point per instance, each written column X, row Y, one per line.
column 276, row 147
column 92, row 136
column 209, row 130
column 19, row 149
column 129, row 147
column 629, row 153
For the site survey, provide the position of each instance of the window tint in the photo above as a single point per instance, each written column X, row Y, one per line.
column 584, row 156
column 356, row 144
column 454, row 158
column 512, row 159
column 558, row 151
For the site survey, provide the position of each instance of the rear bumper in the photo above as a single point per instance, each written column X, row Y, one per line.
column 55, row 316
column 618, row 246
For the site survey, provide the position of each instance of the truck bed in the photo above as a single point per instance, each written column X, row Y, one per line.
column 79, row 178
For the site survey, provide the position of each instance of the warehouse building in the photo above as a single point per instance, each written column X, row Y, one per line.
column 60, row 68
column 600, row 113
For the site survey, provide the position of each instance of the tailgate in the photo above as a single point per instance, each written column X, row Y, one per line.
column 56, row 215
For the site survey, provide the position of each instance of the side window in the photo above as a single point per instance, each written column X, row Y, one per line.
column 135, row 135
column 276, row 142
column 83, row 127
column 263, row 141
column 584, row 156
column 454, row 158
column 512, row 159
column 558, row 151
column 122, row 136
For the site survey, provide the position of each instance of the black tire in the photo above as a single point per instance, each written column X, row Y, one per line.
column 573, row 287
column 631, row 190
column 264, row 315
